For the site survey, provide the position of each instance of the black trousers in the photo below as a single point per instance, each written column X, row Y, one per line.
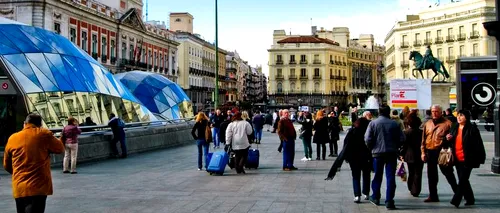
column 464, row 188
column 321, row 148
column 415, row 177
column 240, row 158
column 334, row 147
column 432, row 173
column 32, row 204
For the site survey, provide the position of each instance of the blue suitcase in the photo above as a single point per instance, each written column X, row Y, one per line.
column 208, row 158
column 253, row 159
column 218, row 162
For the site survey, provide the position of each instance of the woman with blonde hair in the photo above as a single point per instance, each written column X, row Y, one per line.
column 321, row 135
column 199, row 134
column 70, row 139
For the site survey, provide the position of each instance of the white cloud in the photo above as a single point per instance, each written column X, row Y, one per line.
column 252, row 43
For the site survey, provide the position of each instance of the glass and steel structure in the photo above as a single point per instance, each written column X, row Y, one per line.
column 160, row 95
column 47, row 74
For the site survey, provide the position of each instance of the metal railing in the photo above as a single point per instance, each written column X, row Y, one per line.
column 101, row 129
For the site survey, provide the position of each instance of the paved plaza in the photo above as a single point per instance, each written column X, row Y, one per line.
column 168, row 181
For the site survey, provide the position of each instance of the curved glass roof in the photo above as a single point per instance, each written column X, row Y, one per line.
column 42, row 61
column 157, row 93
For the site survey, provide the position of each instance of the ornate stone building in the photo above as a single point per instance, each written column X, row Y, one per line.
column 111, row 31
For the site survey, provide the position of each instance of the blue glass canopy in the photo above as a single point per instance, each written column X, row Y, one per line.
column 50, row 69
column 158, row 93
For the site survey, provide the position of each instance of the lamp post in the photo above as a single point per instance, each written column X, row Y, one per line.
column 493, row 28
column 216, row 92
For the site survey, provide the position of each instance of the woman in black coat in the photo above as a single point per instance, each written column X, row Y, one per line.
column 468, row 153
column 321, row 134
column 359, row 157
column 334, row 128
column 411, row 153
column 306, row 133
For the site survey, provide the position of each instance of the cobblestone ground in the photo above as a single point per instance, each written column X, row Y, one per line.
column 168, row 181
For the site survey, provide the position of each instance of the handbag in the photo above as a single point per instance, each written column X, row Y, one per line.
column 401, row 171
column 208, row 134
column 445, row 157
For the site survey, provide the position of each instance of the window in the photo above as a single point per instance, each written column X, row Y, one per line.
column 450, row 51
column 405, row 38
column 94, row 43
column 331, row 72
column 104, row 50
column 475, row 50
column 450, row 31
column 278, row 58
column 143, row 55
column 280, row 87
column 439, row 53
column 155, row 58
column 292, row 72
column 474, row 27
column 72, row 35
column 427, row 35
column 57, row 28
column 461, row 29
column 292, row 87
column 112, row 48
column 316, row 87
column 462, row 50
column 316, row 57
column 84, row 40
column 316, row 72
column 292, row 58
column 131, row 52
column 438, row 33
column 303, row 58
column 417, row 36
column 178, row 20
column 124, row 50
column 303, row 72
column 303, row 87
column 405, row 56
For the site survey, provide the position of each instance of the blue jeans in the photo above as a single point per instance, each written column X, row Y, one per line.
column 288, row 154
column 123, row 145
column 389, row 161
column 202, row 143
column 357, row 169
column 258, row 134
column 215, row 136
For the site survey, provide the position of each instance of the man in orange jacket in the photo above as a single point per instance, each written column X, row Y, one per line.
column 27, row 158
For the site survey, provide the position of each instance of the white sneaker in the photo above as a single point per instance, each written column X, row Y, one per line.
column 366, row 197
column 357, row 199
column 309, row 159
column 304, row 159
column 199, row 169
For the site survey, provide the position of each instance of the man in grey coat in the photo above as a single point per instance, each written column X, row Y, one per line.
column 384, row 137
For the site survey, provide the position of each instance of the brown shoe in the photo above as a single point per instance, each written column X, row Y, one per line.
column 287, row 169
column 431, row 200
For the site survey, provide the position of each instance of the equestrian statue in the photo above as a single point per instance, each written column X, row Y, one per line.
column 427, row 62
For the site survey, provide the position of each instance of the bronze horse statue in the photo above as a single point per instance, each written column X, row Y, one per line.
column 435, row 66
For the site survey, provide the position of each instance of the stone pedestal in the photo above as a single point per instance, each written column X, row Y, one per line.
column 441, row 94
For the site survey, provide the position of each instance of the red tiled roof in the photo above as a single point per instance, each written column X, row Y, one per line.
column 307, row 39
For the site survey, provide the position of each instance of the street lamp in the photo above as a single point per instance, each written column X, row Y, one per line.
column 216, row 92
column 493, row 28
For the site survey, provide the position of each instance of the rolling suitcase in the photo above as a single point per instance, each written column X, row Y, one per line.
column 218, row 163
column 253, row 158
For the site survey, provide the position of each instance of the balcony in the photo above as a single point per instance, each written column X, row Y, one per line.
column 112, row 60
column 317, row 77
column 303, row 77
column 405, row 64
column 450, row 59
column 417, row 43
column 427, row 41
column 280, row 77
column 94, row 55
column 292, row 62
column 405, row 44
column 344, row 78
column 316, row 62
column 292, row 77
column 474, row 35
column 332, row 62
column 104, row 58
column 461, row 37
column 279, row 62
column 303, row 62
column 123, row 61
column 450, row 38
column 438, row 40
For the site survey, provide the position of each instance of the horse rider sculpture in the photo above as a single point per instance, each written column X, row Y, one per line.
column 428, row 62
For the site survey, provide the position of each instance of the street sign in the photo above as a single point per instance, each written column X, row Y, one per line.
column 6, row 87
column 483, row 94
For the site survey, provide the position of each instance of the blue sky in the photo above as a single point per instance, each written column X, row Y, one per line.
column 247, row 25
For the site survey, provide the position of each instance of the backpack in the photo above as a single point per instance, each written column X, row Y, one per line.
column 120, row 123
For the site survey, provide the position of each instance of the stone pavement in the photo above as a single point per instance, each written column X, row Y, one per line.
column 168, row 181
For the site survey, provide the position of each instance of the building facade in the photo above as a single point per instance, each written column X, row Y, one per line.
column 232, row 60
column 256, row 86
column 452, row 30
column 306, row 70
column 111, row 31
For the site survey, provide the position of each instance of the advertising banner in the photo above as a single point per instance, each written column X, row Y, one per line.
column 414, row 93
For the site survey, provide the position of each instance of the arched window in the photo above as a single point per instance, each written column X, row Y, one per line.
column 292, row 87
column 303, row 87
column 405, row 73
column 316, row 87
column 280, row 87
